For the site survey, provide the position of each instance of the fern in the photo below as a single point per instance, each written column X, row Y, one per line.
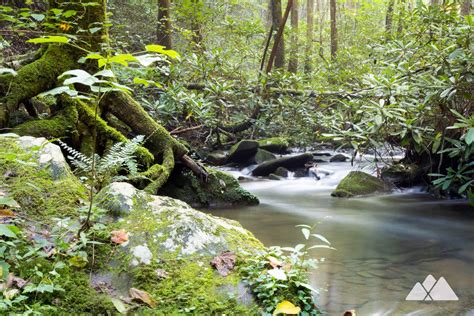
column 119, row 157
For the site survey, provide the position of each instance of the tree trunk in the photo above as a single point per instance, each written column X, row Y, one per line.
column 196, row 26
column 76, row 119
column 293, row 63
column 389, row 18
column 276, row 22
column 466, row 7
column 279, row 38
column 164, row 32
column 401, row 16
column 332, row 4
column 309, row 36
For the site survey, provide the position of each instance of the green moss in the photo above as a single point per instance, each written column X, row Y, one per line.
column 220, row 189
column 359, row 183
column 274, row 144
column 33, row 188
column 192, row 287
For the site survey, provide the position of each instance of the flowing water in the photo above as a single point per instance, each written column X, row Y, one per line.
column 385, row 244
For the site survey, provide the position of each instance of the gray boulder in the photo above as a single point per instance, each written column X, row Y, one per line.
column 339, row 158
column 261, row 156
column 243, row 151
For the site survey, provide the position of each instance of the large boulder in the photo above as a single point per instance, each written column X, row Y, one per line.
column 169, row 252
column 290, row 162
column 358, row 183
column 277, row 145
column 217, row 158
column 243, row 151
column 220, row 189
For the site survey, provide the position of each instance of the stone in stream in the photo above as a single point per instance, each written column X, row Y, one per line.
column 290, row 162
column 339, row 158
column 243, row 151
column 217, row 158
column 278, row 145
column 273, row 176
column 261, row 156
column 358, row 183
column 282, row 172
column 403, row 175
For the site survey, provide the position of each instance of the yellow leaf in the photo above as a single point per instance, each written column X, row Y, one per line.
column 286, row 307
column 142, row 297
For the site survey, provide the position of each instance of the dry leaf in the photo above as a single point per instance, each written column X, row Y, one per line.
column 119, row 236
column 142, row 297
column 19, row 282
column 224, row 262
column 286, row 307
column 6, row 213
column 274, row 262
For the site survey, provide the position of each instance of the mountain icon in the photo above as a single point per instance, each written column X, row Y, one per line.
column 432, row 290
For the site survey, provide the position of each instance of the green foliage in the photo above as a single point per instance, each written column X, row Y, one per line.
column 121, row 157
column 281, row 274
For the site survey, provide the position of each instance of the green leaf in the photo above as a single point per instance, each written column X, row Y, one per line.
column 59, row 90
column 38, row 17
column 161, row 50
column 119, row 306
column 321, row 237
column 8, row 201
column 144, row 82
column 469, row 136
column 5, row 230
column 49, row 39
column 305, row 233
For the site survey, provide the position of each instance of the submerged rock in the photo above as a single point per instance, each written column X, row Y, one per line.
column 291, row 162
column 243, row 151
column 220, row 189
column 277, row 145
column 360, row 183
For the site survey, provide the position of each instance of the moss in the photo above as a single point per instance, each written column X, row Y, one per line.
column 33, row 188
column 359, row 183
column 192, row 287
column 274, row 144
column 220, row 189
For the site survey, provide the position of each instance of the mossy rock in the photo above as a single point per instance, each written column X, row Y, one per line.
column 282, row 172
column 243, row 151
column 277, row 145
column 220, row 189
column 217, row 158
column 167, row 234
column 402, row 175
column 261, row 156
column 358, row 183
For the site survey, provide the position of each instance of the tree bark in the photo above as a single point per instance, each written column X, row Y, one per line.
column 196, row 26
column 164, row 32
column 466, row 7
column 389, row 18
column 276, row 22
column 278, row 39
column 309, row 36
column 293, row 63
column 332, row 5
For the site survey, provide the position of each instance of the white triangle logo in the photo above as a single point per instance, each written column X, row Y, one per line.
column 432, row 290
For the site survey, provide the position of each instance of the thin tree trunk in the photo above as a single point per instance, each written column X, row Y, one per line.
column 401, row 16
column 466, row 7
column 163, row 33
column 309, row 35
column 276, row 22
column 279, row 38
column 196, row 24
column 293, row 64
column 389, row 18
column 332, row 4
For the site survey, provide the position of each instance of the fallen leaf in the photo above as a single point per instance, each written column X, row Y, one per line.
column 286, row 307
column 274, row 262
column 278, row 274
column 6, row 213
column 119, row 236
column 224, row 262
column 19, row 282
column 142, row 297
